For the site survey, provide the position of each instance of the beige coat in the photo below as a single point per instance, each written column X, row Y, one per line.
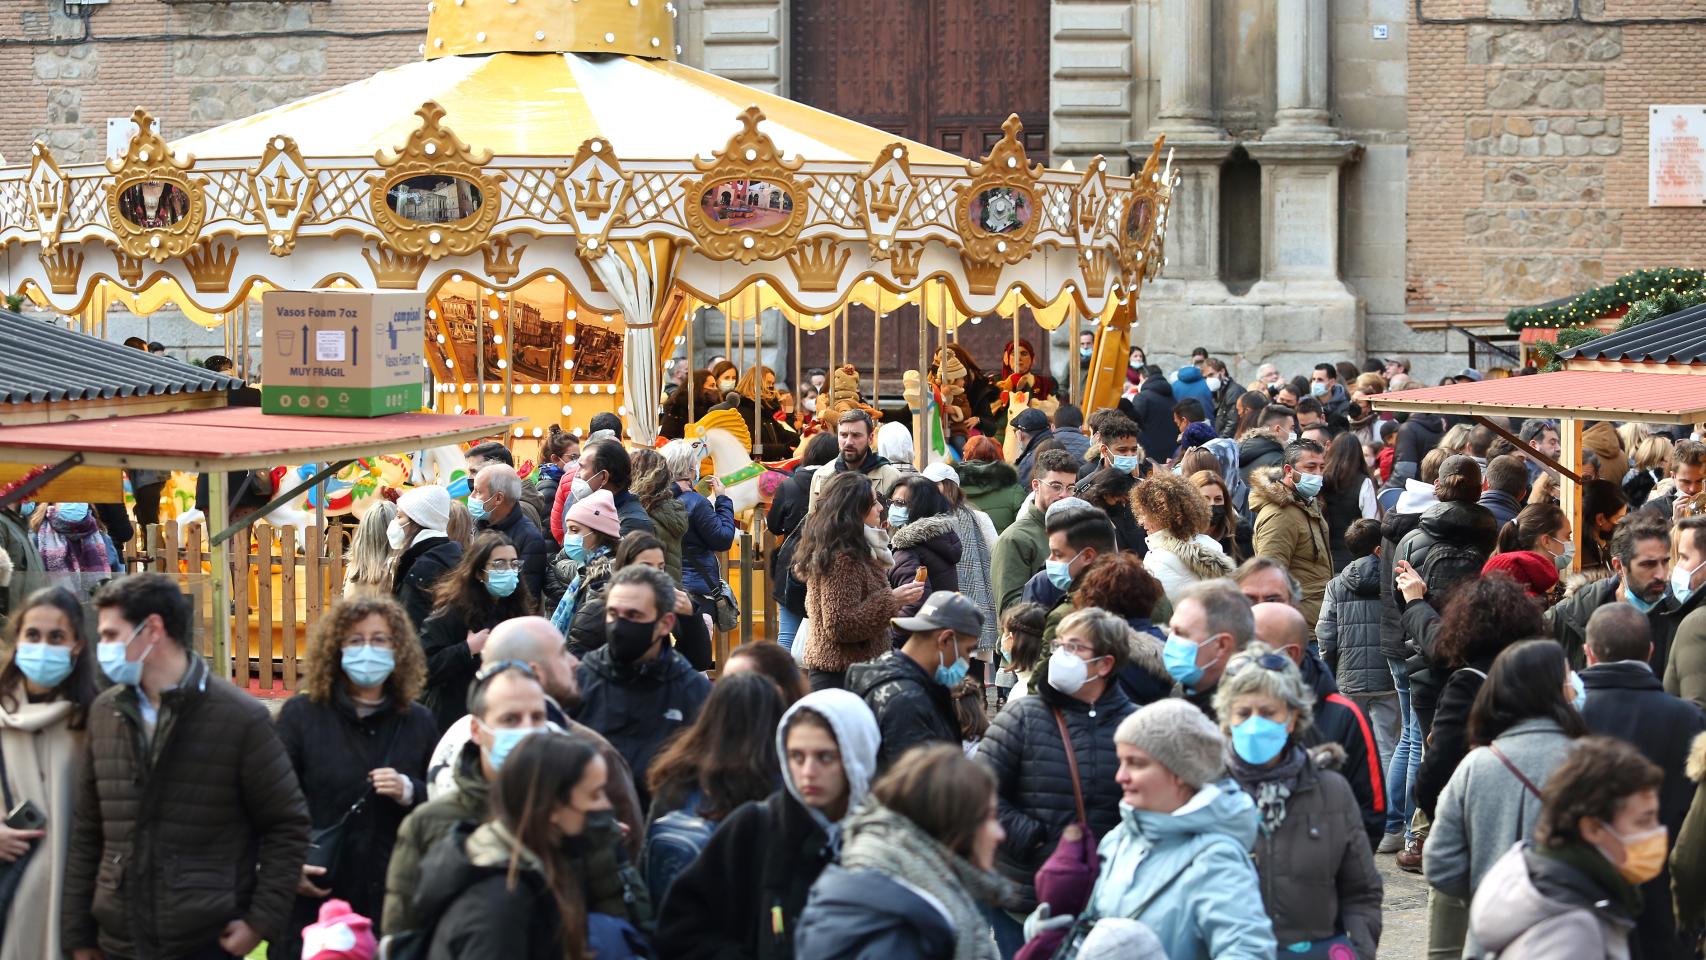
column 41, row 756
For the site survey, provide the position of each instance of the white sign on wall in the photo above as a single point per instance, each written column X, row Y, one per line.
column 1676, row 156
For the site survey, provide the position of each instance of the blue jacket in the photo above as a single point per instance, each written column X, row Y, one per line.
column 864, row 915
column 1191, row 385
column 1501, row 505
column 1191, row 874
column 710, row 531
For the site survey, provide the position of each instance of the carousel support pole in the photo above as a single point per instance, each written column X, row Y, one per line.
column 218, row 519
column 1570, row 494
column 1074, row 377
column 729, row 334
column 508, row 405
column 692, row 375
column 757, row 393
column 830, row 346
column 921, row 423
column 799, row 383
column 479, row 355
column 746, row 546
column 877, row 352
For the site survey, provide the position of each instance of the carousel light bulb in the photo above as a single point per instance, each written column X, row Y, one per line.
column 610, row 38
column 539, row 35
column 154, row 241
column 435, row 237
column 592, row 243
column 744, row 241
column 35, row 150
column 143, row 156
column 678, row 340
column 751, row 154
column 449, row 364
column 567, row 409
column 467, row 388
column 538, row 432
column 497, row 388
column 572, row 315
column 518, row 433
column 456, row 278
column 580, row 388
column 504, row 410
column 568, row 364
column 622, row 411
column 1012, row 162
column 478, row 38
column 494, row 315
column 432, row 148
column 570, row 339
column 555, row 389
column 656, row 42
column 456, row 409
column 503, row 364
column 597, row 146
column 677, row 46
column 883, row 244
column 611, row 389
column 898, row 153
column 549, row 278
column 534, row 388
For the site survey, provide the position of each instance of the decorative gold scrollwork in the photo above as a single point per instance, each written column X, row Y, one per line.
column 592, row 193
column 999, row 213
column 50, row 193
column 749, row 205
column 283, row 190
column 887, row 193
column 818, row 263
column 1090, row 204
column 63, row 267
column 154, row 208
column 1140, row 242
column 393, row 270
column 503, row 258
column 210, row 264
column 435, row 197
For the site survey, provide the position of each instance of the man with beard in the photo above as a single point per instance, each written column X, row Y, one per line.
column 1640, row 561
column 853, row 431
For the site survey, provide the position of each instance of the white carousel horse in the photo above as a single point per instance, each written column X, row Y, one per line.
column 728, row 440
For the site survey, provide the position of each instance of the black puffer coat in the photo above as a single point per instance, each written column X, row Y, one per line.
column 1349, row 629
column 1394, row 527
column 418, row 569
column 1152, row 411
column 1461, row 525
column 639, row 706
column 930, row 543
column 1034, row 781
column 1416, row 436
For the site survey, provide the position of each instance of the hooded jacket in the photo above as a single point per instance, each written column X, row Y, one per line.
column 1260, row 449
column 1292, row 530
column 1034, row 794
column 1180, row 563
column 1027, row 457
column 1189, row 384
column 1568, row 620
column 1152, row 410
column 639, row 706
column 418, row 570
column 1349, row 629
column 993, row 487
column 1535, row 907
column 910, row 706
column 1191, row 874
column 1019, row 555
column 857, row 906
column 766, row 855
column 1416, row 436
column 422, row 830
column 1485, row 808
column 1317, row 870
column 932, row 544
column 1688, row 856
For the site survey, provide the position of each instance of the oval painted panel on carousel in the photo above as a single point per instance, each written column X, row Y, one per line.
column 1001, row 210
column 747, row 204
column 154, row 204
column 434, row 198
column 1139, row 223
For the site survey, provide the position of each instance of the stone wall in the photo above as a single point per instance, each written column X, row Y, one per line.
column 1528, row 165
column 191, row 65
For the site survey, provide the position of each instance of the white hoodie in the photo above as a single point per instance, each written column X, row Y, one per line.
column 856, row 733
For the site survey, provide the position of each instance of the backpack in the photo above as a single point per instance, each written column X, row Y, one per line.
column 1447, row 564
column 673, row 841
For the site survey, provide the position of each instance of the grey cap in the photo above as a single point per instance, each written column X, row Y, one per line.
column 1469, row 373
column 944, row 610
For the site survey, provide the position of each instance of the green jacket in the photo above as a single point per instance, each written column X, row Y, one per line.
column 1019, row 554
column 1685, row 672
column 670, row 518
column 993, row 487
column 423, row 828
column 1688, row 853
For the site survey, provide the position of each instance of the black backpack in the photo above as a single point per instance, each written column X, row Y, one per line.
column 1448, row 564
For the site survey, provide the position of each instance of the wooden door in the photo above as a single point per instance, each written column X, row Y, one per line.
column 942, row 72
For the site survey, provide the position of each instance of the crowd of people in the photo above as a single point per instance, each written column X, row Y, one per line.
column 1165, row 684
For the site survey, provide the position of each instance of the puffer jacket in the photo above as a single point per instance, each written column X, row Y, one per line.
column 639, row 706
column 1024, row 750
column 586, row 626
column 1688, row 857
column 178, row 834
column 1260, row 449
column 932, row 544
column 864, row 915
column 1394, row 527
column 1019, row 555
column 1190, row 385
column 910, row 706
column 670, row 523
column 1190, row 871
column 1152, row 411
column 422, row 830
column 1339, row 720
column 710, row 531
column 1416, row 436
column 993, row 487
column 1533, row 906
column 1454, row 522
column 1349, row 629
column 1293, row 531
column 1317, row 870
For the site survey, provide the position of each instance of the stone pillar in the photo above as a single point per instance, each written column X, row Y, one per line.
column 1187, row 71
column 744, row 40
column 1302, row 67
column 1193, row 220
column 1091, row 89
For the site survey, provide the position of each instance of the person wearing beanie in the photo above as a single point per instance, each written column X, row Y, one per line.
column 1179, row 862
column 591, row 530
column 1117, row 938
column 428, row 553
column 1531, row 568
column 340, row 934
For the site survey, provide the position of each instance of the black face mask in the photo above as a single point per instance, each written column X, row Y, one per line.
column 1217, row 514
column 629, row 639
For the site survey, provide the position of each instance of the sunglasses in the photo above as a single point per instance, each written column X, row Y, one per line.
column 491, row 670
column 1275, row 662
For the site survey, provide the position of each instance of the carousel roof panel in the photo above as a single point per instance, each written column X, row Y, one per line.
column 547, row 105
column 43, row 361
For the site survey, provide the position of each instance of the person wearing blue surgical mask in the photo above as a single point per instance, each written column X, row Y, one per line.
column 45, row 691
column 1211, row 621
column 484, row 590
column 354, row 731
column 1077, row 536
column 1319, row 884
column 1685, row 671
column 908, row 687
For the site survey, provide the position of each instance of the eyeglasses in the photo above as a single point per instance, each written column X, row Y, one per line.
column 501, row 565
column 377, row 640
column 1080, row 650
column 496, row 667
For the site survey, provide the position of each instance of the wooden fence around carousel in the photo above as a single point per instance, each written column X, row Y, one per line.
column 305, row 576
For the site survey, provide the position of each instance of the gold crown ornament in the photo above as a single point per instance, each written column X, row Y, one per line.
column 640, row 28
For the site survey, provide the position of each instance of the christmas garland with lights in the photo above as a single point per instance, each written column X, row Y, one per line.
column 1593, row 304
column 1666, row 302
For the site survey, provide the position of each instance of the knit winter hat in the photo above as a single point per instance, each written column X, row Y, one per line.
column 341, row 934
column 1121, row 938
column 1179, row 737
column 1196, row 435
column 1531, row 568
column 596, row 511
column 428, row 507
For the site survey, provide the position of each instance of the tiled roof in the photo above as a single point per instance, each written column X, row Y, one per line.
column 1678, row 338
column 1580, row 394
column 41, row 360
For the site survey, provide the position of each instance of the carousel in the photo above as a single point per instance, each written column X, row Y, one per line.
column 570, row 200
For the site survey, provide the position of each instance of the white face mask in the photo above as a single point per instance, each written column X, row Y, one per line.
column 1213, row 384
column 396, row 534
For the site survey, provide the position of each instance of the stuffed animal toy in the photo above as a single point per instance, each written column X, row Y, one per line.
column 844, row 393
column 950, row 383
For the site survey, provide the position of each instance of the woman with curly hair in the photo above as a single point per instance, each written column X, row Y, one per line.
column 359, row 744
column 1120, row 584
column 1180, row 553
column 1223, row 519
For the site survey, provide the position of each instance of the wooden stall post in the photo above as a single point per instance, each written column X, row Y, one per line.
column 288, row 609
column 234, row 611
column 218, row 518
column 1570, row 494
column 313, row 551
column 263, row 605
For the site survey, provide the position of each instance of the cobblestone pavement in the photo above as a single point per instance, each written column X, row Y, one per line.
column 1404, row 935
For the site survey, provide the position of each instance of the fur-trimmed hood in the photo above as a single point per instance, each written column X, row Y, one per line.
column 1697, row 760
column 1202, row 556
column 983, row 476
column 1268, row 489
column 918, row 532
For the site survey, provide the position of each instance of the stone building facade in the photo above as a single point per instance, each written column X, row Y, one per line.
column 1356, row 178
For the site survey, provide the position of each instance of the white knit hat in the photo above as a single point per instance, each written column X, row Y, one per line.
column 1179, row 737
column 428, row 507
column 1121, row 938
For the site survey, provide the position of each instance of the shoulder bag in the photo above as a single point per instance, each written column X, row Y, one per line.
column 325, row 845
column 1071, row 868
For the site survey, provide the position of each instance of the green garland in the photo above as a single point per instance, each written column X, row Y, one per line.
column 1664, row 304
column 1593, row 304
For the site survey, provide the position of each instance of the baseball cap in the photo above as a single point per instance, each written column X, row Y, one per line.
column 1469, row 373
column 1031, row 420
column 939, row 471
column 944, row 610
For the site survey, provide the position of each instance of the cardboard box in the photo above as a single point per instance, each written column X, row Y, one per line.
column 342, row 353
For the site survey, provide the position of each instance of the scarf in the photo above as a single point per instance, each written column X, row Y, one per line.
column 879, row 544
column 888, row 843
column 68, row 547
column 1590, row 863
column 974, row 571
column 1269, row 786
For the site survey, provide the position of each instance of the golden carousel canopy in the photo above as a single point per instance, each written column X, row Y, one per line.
column 560, row 139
